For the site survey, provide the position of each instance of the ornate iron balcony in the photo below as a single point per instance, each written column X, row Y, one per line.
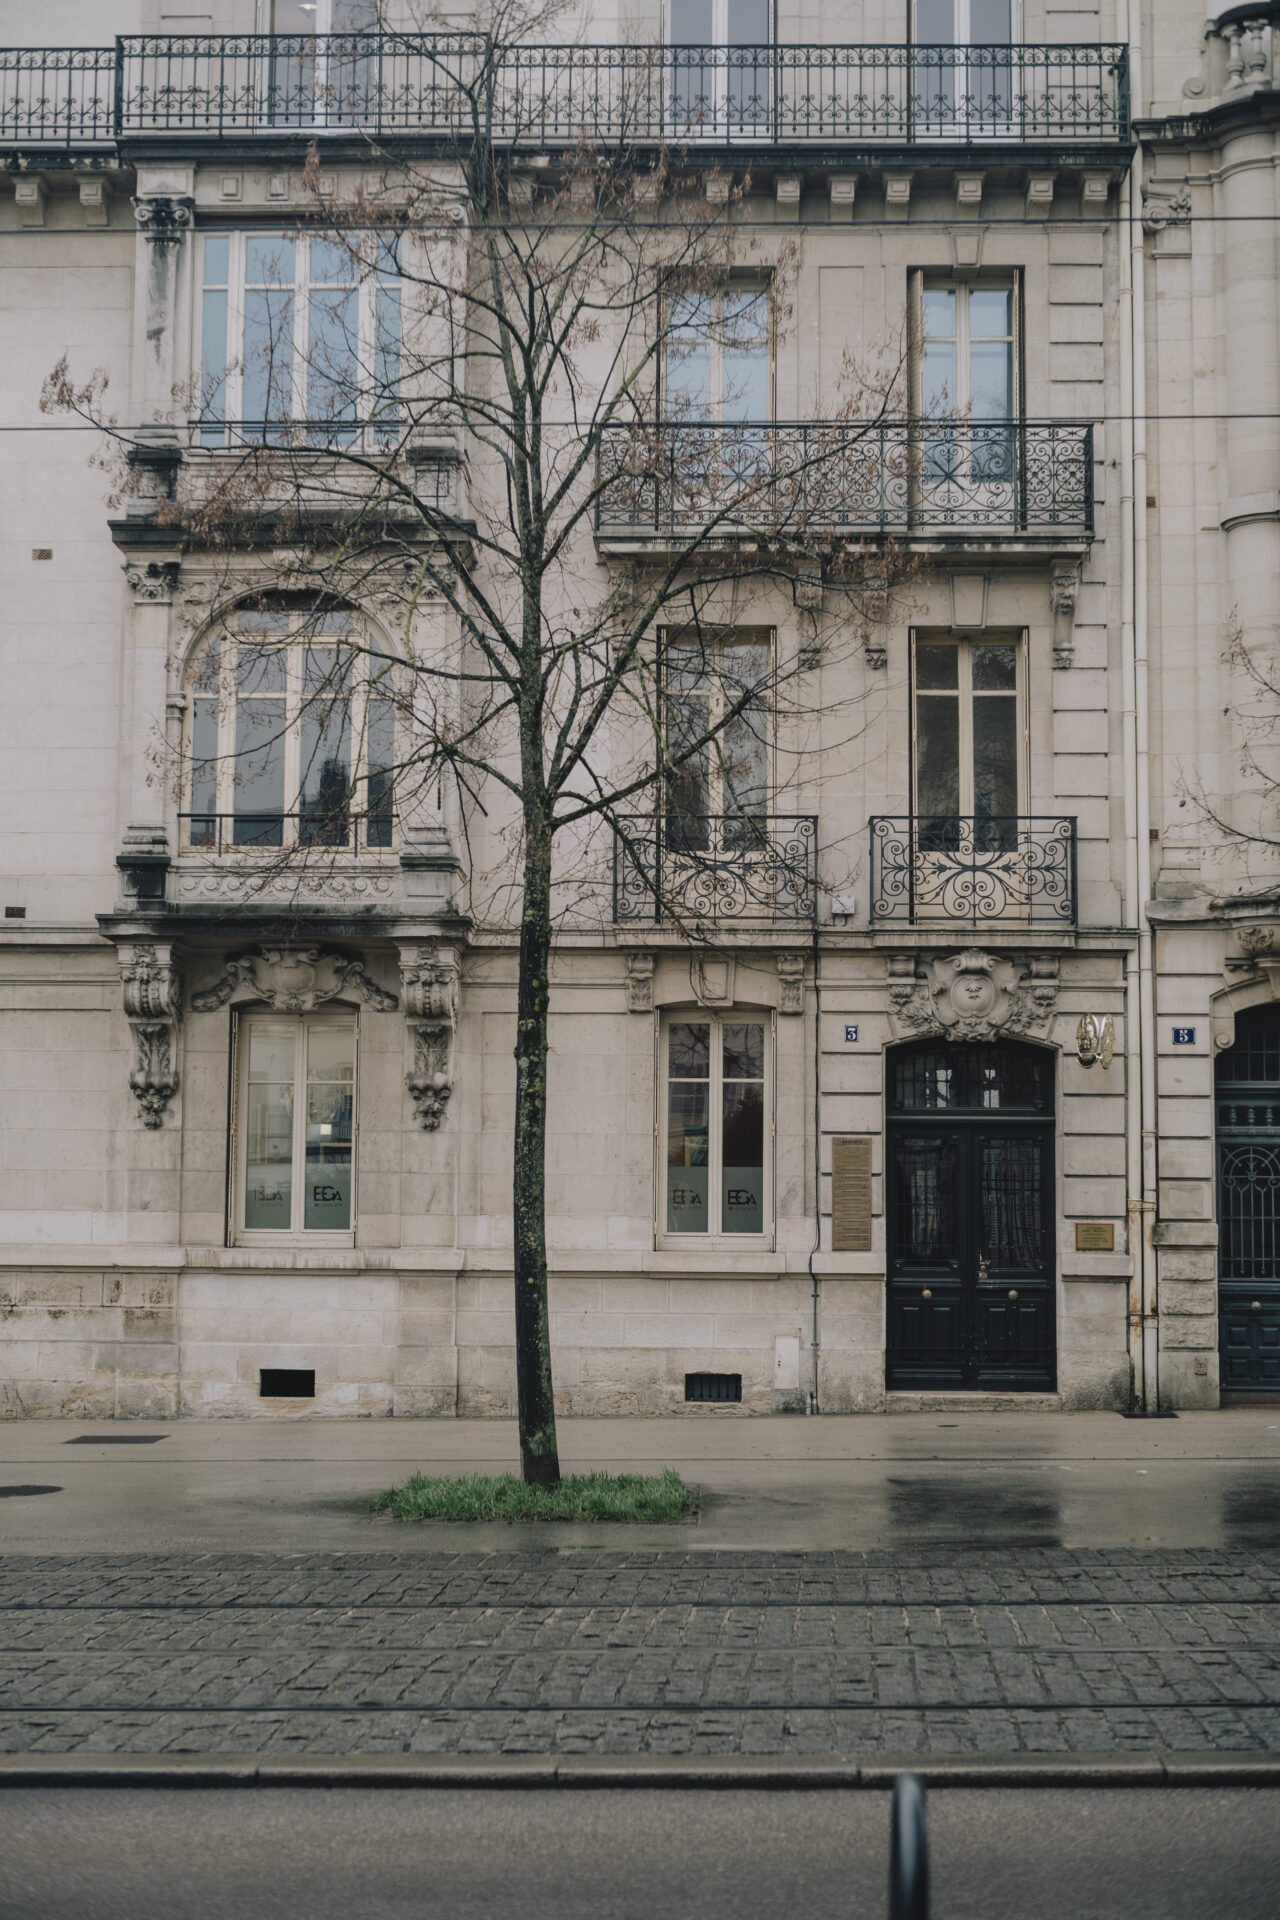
column 741, row 869
column 1010, row 870
column 427, row 85
column 901, row 477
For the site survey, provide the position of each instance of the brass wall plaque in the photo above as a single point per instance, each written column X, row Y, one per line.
column 1095, row 1236
column 851, row 1196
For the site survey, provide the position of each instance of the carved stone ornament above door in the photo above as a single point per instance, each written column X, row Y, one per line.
column 972, row 995
column 293, row 980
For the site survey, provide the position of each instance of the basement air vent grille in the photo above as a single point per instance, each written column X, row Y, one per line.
column 713, row 1389
column 287, row 1383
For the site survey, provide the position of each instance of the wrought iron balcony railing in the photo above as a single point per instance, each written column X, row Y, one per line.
column 744, row 869
column 332, row 829
column 998, row 478
column 1007, row 870
column 424, row 86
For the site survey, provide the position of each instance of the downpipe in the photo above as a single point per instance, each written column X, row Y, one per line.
column 1140, row 1036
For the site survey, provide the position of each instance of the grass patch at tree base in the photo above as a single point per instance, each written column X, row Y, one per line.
column 629, row 1497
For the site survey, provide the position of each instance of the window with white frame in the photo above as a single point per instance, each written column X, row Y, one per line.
column 718, row 358
column 716, row 1131
column 293, row 1128
column 717, row 715
column 291, row 735
column 300, row 339
column 968, row 373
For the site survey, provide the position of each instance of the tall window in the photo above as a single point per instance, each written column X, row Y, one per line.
column 321, row 69
column 291, row 736
column 294, row 1123
column 723, row 65
column 960, row 23
column 300, row 340
column 714, row 1125
column 968, row 373
column 718, row 359
column 968, row 760
column 716, row 787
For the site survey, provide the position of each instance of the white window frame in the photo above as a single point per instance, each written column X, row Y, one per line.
column 715, row 645
column 295, row 1235
column 292, row 640
column 962, row 285
column 964, row 642
column 229, row 431
column 964, row 30
column 718, row 1018
column 716, row 355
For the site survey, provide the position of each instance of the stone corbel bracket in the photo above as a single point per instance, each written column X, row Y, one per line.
column 640, row 982
column 293, row 980
column 152, row 982
column 1064, row 591
column 791, row 971
column 431, row 978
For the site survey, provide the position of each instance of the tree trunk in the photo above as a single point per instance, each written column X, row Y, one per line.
column 539, row 1459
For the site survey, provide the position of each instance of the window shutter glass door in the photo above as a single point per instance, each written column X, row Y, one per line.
column 268, row 335
column 742, row 1129
column 329, row 1111
column 333, row 344
column 213, row 340
column 325, row 748
column 259, row 746
column 268, row 1124
column 688, row 1126
column 995, row 736
column 381, row 755
column 937, row 741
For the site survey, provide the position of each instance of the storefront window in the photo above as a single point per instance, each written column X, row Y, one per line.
column 294, row 1121
column 715, row 1172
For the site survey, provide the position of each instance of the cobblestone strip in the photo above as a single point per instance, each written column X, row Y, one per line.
column 1040, row 1652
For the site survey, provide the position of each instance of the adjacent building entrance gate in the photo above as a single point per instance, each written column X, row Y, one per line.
column 1248, row 1101
column 970, row 1211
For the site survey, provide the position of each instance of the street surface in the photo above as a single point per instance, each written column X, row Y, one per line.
column 1009, row 1651
column 285, row 1854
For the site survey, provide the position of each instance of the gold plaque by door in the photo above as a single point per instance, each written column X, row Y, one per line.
column 851, row 1196
column 1095, row 1236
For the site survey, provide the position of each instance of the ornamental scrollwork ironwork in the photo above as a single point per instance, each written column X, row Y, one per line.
column 928, row 871
column 713, row 869
column 1002, row 477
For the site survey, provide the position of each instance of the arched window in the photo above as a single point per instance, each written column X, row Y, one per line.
column 291, row 735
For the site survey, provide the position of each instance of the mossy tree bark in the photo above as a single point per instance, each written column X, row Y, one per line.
column 539, row 1459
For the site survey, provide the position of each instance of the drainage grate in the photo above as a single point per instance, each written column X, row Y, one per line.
column 287, row 1383
column 14, row 1493
column 713, row 1387
column 115, row 1440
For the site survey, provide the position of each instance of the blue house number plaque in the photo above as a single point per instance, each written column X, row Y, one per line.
column 850, row 1036
column 1184, row 1036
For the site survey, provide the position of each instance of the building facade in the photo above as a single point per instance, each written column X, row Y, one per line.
column 985, row 1102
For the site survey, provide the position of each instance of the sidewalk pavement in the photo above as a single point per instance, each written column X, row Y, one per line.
column 1070, row 1595
column 863, row 1483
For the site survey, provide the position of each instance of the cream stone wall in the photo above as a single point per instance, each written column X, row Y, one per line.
column 119, row 1293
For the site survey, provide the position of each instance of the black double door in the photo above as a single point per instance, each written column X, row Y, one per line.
column 1247, row 1077
column 970, row 1213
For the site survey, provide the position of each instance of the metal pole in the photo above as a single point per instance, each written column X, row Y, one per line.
column 908, row 1851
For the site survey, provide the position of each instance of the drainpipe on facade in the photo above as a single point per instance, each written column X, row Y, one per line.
column 1140, row 1053
column 817, row 1160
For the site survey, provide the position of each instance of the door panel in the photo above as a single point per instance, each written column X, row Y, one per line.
column 970, row 1223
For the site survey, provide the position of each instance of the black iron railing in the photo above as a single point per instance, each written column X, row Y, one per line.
column 744, row 868
column 1001, row 477
column 58, row 96
column 266, row 832
column 428, row 86
column 1011, row 869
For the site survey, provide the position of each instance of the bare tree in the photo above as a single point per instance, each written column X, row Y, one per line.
column 528, row 387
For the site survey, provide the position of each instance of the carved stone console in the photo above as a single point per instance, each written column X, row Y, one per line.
column 972, row 995
column 430, row 977
column 152, row 982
